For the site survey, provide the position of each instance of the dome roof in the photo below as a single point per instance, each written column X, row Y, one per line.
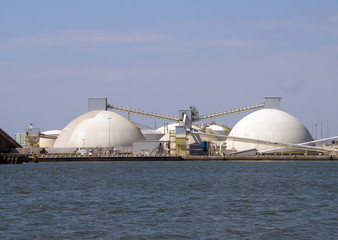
column 165, row 129
column 217, row 129
column 47, row 141
column 52, row 132
column 270, row 125
column 99, row 129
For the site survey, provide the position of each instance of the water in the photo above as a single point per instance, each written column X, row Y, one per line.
column 169, row 200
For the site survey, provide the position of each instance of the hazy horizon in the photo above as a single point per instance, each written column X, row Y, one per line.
column 164, row 56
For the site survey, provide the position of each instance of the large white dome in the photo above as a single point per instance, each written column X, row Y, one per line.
column 99, row 129
column 270, row 125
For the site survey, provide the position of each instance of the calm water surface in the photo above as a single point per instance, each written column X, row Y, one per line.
column 169, row 200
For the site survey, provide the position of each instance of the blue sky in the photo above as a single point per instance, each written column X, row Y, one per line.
column 163, row 56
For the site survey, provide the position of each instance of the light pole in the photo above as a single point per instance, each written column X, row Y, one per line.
column 83, row 142
column 321, row 130
column 109, row 132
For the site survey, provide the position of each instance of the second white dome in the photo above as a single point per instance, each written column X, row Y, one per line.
column 270, row 125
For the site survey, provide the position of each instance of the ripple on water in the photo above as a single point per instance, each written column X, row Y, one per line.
column 169, row 200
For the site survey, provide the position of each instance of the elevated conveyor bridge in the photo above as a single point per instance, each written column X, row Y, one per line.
column 195, row 116
column 229, row 112
column 141, row 112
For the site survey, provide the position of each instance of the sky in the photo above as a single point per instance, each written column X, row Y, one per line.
column 164, row 56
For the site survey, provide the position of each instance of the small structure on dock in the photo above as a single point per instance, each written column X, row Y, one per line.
column 8, row 150
column 7, row 144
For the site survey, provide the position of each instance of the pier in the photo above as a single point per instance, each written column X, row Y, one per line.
column 11, row 158
column 130, row 157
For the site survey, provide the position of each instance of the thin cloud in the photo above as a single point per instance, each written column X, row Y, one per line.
column 291, row 85
column 234, row 43
column 108, row 37
column 333, row 19
column 60, row 38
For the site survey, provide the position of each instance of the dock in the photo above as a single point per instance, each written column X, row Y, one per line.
column 12, row 158
column 129, row 157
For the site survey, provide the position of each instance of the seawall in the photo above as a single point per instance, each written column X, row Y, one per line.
column 182, row 158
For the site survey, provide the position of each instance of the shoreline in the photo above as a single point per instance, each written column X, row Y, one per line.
column 183, row 158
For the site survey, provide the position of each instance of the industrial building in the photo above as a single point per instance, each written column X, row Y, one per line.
column 8, row 150
column 21, row 139
column 99, row 129
column 104, row 132
column 7, row 143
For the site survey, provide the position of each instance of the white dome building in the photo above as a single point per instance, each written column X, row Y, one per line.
column 99, row 129
column 172, row 126
column 270, row 125
column 48, row 138
column 219, row 130
column 168, row 127
column 149, row 133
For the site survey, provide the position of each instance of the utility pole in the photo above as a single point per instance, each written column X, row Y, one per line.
column 321, row 130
